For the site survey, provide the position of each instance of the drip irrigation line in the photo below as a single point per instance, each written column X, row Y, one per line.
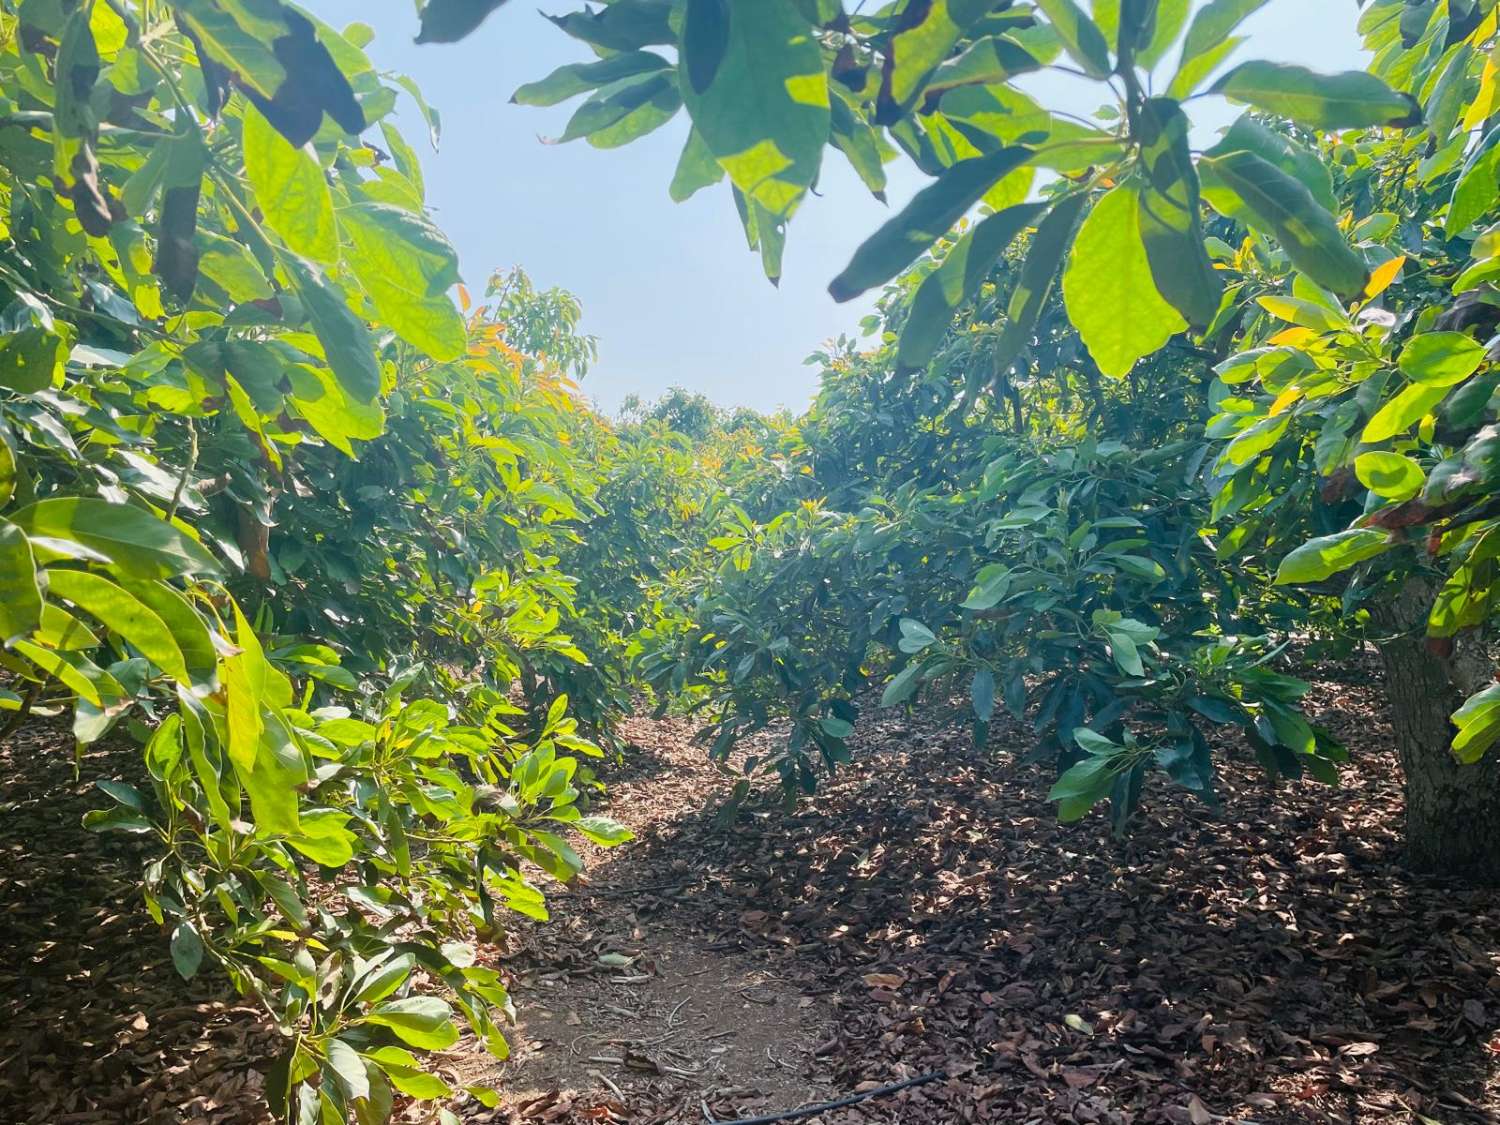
column 824, row 1107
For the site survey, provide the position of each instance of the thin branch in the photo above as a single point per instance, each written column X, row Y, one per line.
column 824, row 1107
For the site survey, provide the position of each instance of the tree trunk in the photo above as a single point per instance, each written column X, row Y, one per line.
column 1452, row 810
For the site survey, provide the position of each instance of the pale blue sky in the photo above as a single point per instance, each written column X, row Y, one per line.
column 669, row 289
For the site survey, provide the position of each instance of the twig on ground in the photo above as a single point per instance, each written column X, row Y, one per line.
column 824, row 1107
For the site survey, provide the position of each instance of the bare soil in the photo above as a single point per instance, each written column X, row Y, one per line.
column 1268, row 960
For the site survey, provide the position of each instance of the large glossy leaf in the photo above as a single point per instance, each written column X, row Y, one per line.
column 1324, row 557
column 957, row 279
column 1169, row 218
column 1390, row 476
column 1351, row 100
column 123, row 614
column 1111, row 297
column 421, row 1021
column 1403, row 412
column 76, row 672
column 753, row 80
column 1296, row 160
column 1284, row 208
column 189, row 632
column 1478, row 185
column 929, row 216
column 1478, row 722
column 290, row 189
column 133, row 541
column 696, row 169
column 346, row 341
column 20, row 599
column 405, row 266
column 1441, row 359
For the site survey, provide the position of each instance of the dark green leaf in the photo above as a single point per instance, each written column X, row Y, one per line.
column 929, row 216
column 1354, row 99
column 448, row 21
column 765, row 113
column 957, row 279
column 1281, row 206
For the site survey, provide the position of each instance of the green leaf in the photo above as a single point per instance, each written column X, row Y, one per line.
column 903, row 686
column 930, row 215
column 1441, row 359
column 448, row 21
column 124, row 614
column 1478, row 722
column 1320, row 558
column 327, row 406
column 187, row 949
column 290, row 189
column 1169, row 215
column 982, row 694
column 20, row 597
column 9, row 471
column 860, row 144
column 189, row 631
column 1212, row 26
column 579, row 78
column 1110, row 294
column 625, row 110
column 133, row 541
column 957, row 279
column 1402, row 412
column 1283, row 207
column 916, row 51
column 1048, row 245
column 1124, row 651
column 348, row 1068
column 323, row 838
column 696, row 169
column 915, row 636
column 1354, row 99
column 405, row 266
column 1080, row 36
column 1193, row 71
column 1296, row 160
column 420, row 1021
column 383, row 979
column 761, row 102
column 1389, row 475
column 603, row 831
column 1478, row 185
column 346, row 341
column 76, row 672
column 987, row 62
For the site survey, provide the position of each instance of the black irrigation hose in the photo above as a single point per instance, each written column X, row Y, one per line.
column 824, row 1107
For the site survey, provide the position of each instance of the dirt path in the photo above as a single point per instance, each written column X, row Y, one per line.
column 637, row 999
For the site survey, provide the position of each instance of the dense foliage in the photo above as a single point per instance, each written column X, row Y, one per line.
column 346, row 553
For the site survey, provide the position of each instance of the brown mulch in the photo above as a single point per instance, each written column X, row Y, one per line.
column 1268, row 961
column 96, row 1027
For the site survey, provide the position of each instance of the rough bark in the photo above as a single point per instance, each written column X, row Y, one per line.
column 1452, row 810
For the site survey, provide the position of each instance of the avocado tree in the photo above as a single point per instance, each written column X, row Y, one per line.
column 219, row 287
column 1360, row 435
column 1143, row 231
